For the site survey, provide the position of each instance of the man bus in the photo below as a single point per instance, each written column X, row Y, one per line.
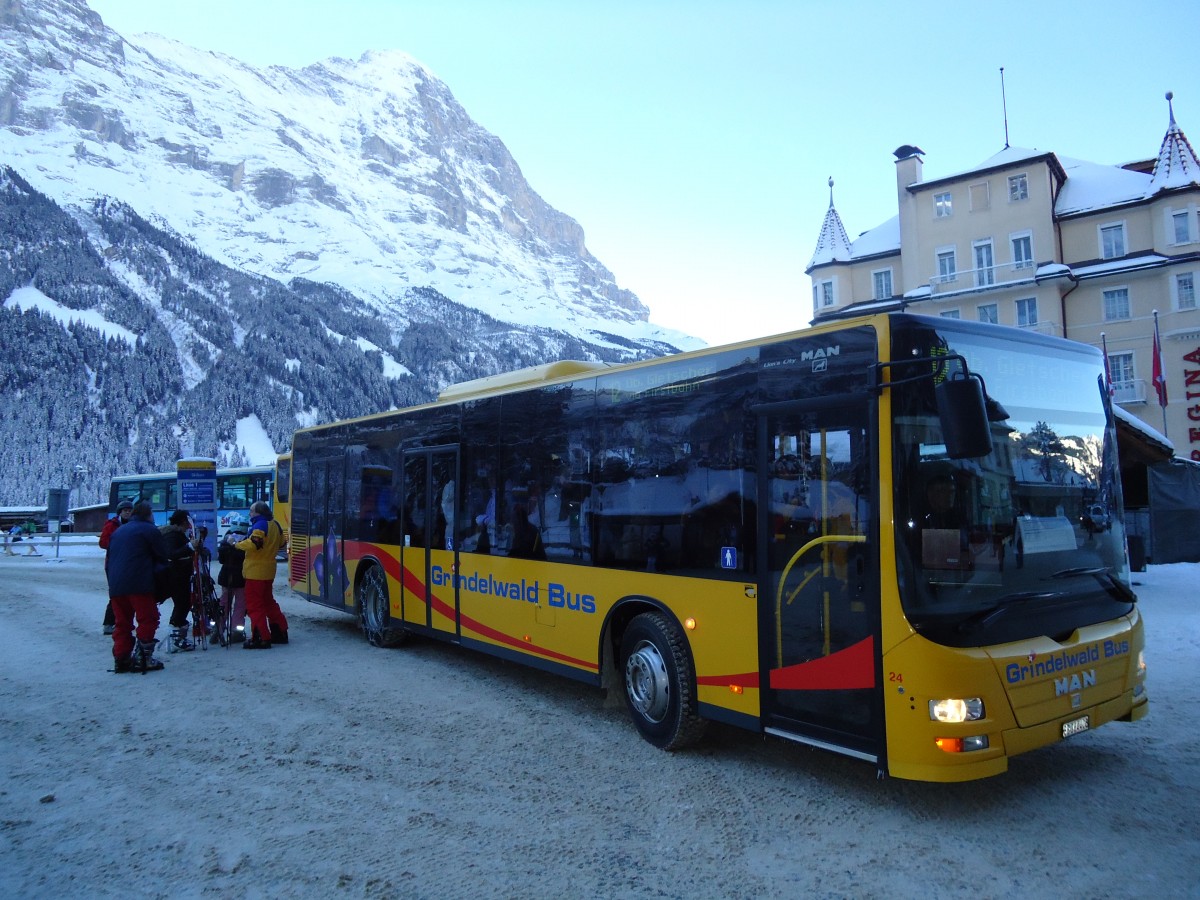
column 742, row 534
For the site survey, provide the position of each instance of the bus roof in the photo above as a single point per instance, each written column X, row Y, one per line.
column 506, row 381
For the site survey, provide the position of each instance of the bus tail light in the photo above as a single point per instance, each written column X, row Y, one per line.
column 968, row 710
column 963, row 744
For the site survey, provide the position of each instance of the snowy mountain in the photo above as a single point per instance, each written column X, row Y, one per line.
column 179, row 206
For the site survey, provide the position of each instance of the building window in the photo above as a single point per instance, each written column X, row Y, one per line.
column 942, row 205
column 981, row 197
column 985, row 274
column 1185, row 290
column 1121, row 366
column 951, row 314
column 883, row 283
column 1018, row 188
column 822, row 294
column 1027, row 312
column 1124, row 378
column 1182, row 226
column 1116, row 304
column 1022, row 251
column 989, row 313
column 946, row 265
column 1112, row 241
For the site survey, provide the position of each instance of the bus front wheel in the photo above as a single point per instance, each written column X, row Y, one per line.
column 658, row 682
column 374, row 610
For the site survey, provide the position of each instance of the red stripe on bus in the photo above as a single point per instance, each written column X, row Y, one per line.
column 849, row 669
column 743, row 679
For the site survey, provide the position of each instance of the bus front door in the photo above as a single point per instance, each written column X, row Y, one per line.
column 819, row 625
column 328, row 570
column 429, row 555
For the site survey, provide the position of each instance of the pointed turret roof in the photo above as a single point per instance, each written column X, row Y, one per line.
column 1177, row 166
column 833, row 245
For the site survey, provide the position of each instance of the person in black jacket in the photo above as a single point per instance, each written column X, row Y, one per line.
column 178, row 582
column 134, row 552
column 233, row 585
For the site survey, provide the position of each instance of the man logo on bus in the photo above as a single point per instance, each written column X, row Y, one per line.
column 820, row 357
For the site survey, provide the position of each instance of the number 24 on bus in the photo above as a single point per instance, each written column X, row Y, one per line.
column 866, row 537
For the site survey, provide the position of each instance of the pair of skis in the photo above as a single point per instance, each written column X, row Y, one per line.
column 199, row 588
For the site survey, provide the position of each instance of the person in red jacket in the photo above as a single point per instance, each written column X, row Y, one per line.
column 124, row 512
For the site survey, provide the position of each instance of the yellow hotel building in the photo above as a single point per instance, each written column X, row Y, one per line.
column 1035, row 240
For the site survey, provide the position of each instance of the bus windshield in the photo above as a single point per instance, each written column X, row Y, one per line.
column 1027, row 540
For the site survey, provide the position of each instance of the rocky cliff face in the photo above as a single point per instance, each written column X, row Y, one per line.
column 188, row 243
column 366, row 173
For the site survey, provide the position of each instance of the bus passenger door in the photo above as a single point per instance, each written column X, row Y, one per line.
column 429, row 555
column 818, row 593
column 328, row 493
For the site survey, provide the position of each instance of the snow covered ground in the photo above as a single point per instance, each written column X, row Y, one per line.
column 330, row 768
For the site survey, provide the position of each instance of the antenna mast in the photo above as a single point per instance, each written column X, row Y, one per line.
column 1004, row 102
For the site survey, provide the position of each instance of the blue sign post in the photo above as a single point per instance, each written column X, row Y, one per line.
column 196, row 480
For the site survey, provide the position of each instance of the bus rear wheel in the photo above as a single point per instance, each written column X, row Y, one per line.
column 658, row 682
column 374, row 609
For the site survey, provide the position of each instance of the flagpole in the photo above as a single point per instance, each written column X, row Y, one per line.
column 1108, row 382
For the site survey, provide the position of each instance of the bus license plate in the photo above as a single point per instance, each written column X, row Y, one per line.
column 1075, row 726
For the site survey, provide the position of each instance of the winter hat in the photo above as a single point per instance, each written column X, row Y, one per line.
column 124, row 504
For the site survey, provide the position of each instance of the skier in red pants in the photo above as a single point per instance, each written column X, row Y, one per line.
column 134, row 551
column 267, row 623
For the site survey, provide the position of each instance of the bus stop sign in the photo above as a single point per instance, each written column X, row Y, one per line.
column 197, row 482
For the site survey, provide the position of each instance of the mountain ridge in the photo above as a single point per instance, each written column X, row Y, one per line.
column 397, row 241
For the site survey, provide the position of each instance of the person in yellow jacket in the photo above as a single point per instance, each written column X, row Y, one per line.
column 268, row 624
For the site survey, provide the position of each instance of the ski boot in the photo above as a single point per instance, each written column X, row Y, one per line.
column 143, row 658
column 178, row 640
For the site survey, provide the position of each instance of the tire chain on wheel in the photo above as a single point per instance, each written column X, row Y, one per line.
column 690, row 726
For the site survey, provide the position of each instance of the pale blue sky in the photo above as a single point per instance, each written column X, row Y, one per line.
column 693, row 139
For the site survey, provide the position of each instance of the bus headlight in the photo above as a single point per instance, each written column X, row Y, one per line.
column 956, row 710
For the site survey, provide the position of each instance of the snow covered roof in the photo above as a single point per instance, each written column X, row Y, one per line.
column 1149, row 437
column 833, row 245
column 880, row 239
column 1176, row 166
column 1092, row 186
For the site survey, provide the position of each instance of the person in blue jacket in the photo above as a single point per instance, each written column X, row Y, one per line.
column 134, row 551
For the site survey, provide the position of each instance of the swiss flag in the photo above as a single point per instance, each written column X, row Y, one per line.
column 1159, row 376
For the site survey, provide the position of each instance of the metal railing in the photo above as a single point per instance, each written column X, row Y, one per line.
column 989, row 276
column 1130, row 391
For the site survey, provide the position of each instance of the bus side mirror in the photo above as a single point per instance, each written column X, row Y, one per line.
column 963, row 414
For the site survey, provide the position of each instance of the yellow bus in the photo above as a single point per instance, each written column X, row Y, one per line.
column 281, row 499
column 868, row 537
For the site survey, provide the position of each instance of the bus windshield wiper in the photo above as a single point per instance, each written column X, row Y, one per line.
column 1105, row 576
column 1004, row 604
column 1079, row 570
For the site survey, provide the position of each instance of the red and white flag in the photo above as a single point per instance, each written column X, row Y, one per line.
column 1159, row 375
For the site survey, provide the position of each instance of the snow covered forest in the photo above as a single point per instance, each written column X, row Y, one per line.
column 173, row 364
